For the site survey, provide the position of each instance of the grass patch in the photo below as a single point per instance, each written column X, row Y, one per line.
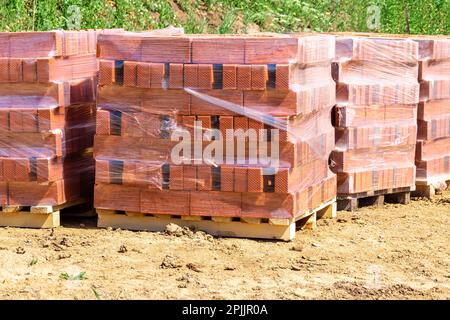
column 75, row 277
column 408, row 16
column 33, row 262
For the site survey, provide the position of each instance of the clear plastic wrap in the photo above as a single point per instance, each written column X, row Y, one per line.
column 56, row 43
column 233, row 126
column 376, row 113
column 47, row 117
column 433, row 145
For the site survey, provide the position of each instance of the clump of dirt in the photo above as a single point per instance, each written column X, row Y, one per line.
column 187, row 279
column 171, row 262
column 194, row 267
column 173, row 229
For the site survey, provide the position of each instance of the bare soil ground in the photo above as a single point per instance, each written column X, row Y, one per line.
column 392, row 252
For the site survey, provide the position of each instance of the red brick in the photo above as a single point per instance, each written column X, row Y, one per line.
column 4, row 120
column 204, row 178
column 165, row 202
column 255, row 180
column 156, row 75
column 15, row 70
column 282, row 77
column 215, row 203
column 218, row 50
column 282, row 180
column 220, row 106
column 229, row 77
column 205, row 76
column 176, row 177
column 129, row 173
column 4, row 70
column 22, row 170
column 240, row 179
column 102, row 174
column 143, row 75
column 30, row 120
column 191, row 75
column 259, row 77
column 189, row 178
column 205, row 123
column 188, row 124
column 8, row 169
column 226, row 178
column 44, row 69
column 117, row 197
column 268, row 205
column 4, row 193
column 107, row 72
column 49, row 119
column 176, row 76
column 103, row 122
column 16, row 121
column 225, row 122
column 130, row 74
column 244, row 77
column 29, row 69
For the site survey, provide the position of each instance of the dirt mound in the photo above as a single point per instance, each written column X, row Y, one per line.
column 173, row 229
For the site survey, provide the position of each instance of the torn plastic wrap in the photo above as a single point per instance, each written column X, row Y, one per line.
column 233, row 126
column 47, row 117
column 433, row 145
column 375, row 116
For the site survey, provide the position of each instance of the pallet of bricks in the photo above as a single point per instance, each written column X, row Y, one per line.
column 229, row 135
column 47, row 124
column 433, row 117
column 375, row 119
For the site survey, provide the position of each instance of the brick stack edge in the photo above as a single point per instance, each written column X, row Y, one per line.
column 153, row 86
column 47, row 110
column 390, row 107
column 433, row 145
column 375, row 115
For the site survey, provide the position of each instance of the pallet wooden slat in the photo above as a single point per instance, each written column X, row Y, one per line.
column 280, row 229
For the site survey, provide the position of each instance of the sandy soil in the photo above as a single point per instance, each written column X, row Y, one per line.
column 376, row 253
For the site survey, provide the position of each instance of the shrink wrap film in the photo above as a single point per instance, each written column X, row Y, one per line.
column 377, row 95
column 433, row 148
column 232, row 126
column 47, row 116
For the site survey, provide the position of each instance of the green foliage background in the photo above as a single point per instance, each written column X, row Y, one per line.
column 227, row 16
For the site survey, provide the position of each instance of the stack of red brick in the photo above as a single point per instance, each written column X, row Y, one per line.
column 375, row 115
column 47, row 95
column 153, row 88
column 433, row 145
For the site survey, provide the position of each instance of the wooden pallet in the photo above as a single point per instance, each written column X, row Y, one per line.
column 430, row 188
column 279, row 229
column 36, row 216
column 374, row 198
